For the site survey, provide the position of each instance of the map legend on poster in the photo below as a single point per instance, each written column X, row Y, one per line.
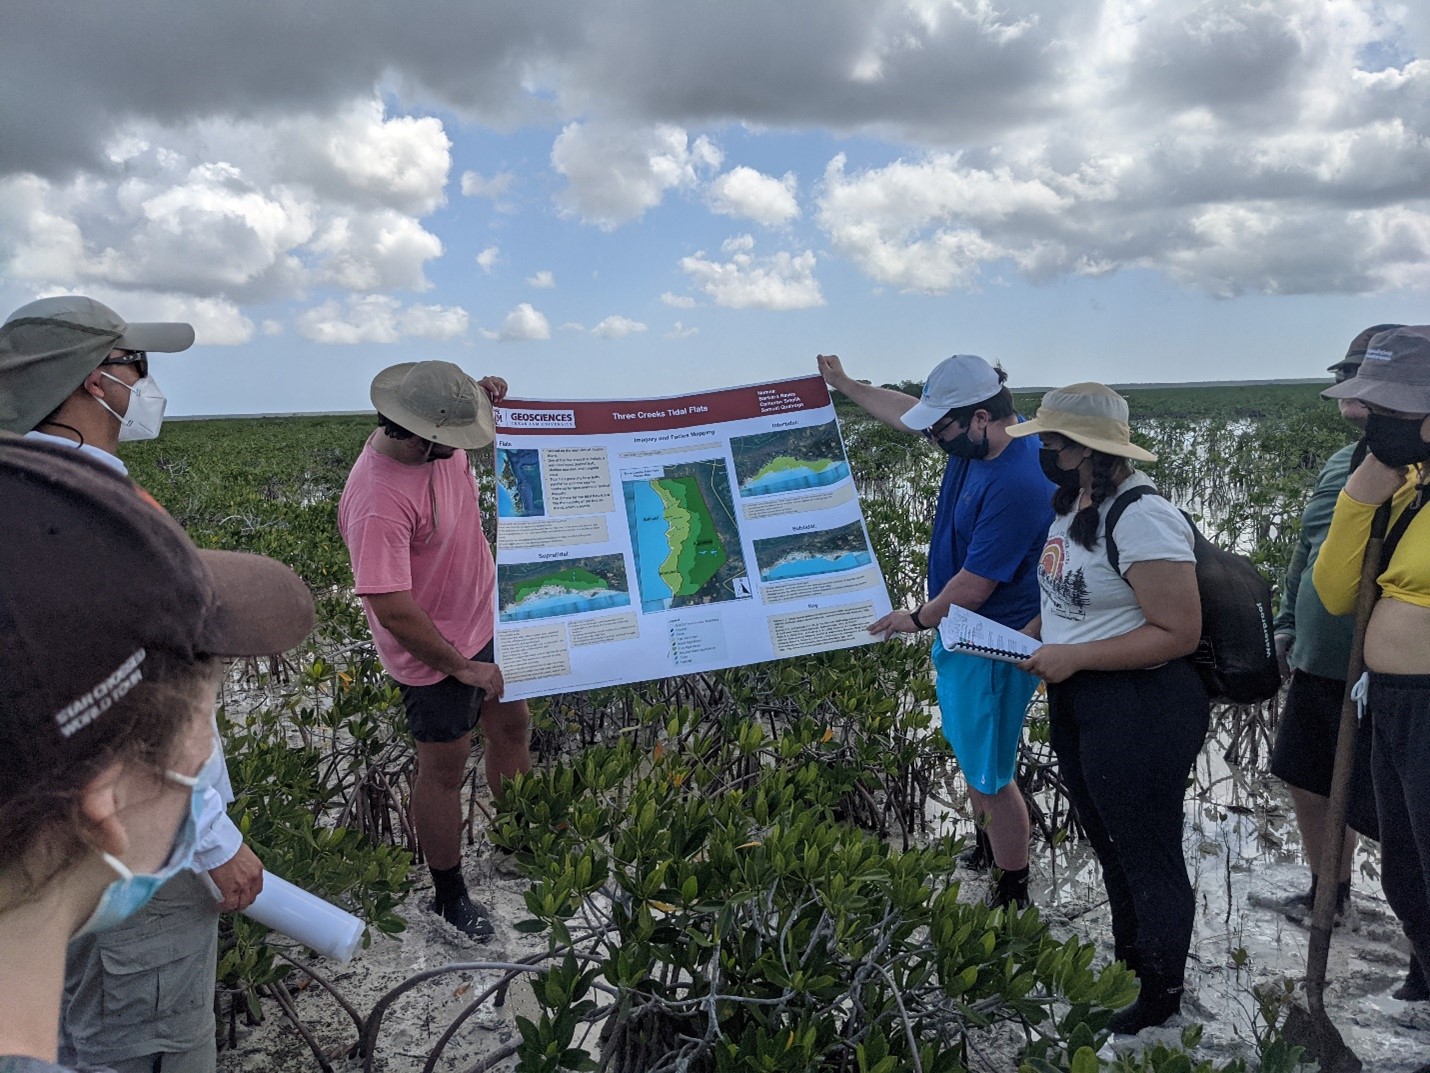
column 639, row 539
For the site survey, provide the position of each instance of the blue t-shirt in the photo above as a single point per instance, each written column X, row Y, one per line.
column 992, row 519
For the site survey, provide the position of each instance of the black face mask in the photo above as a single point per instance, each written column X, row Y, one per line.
column 1064, row 478
column 1396, row 440
column 963, row 447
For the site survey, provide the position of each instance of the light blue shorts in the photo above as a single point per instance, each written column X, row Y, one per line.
column 983, row 702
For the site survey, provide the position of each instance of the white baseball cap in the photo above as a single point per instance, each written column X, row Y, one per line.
column 960, row 380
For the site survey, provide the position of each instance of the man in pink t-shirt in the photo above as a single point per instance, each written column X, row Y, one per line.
column 421, row 564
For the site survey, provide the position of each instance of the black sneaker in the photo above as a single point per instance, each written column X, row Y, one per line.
column 1002, row 897
column 979, row 856
column 467, row 917
column 1008, row 889
column 1414, row 988
column 1296, row 908
column 1154, row 1006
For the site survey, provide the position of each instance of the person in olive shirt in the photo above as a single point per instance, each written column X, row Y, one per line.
column 1315, row 648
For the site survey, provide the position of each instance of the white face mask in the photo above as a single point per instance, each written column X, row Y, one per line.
column 145, row 413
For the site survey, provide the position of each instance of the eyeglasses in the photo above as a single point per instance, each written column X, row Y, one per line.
column 934, row 431
column 137, row 358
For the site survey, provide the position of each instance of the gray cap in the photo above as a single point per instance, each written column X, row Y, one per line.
column 48, row 347
column 1355, row 353
column 1395, row 373
column 437, row 401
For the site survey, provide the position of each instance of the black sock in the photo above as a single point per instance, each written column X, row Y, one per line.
column 448, row 884
column 1343, row 895
column 1014, row 879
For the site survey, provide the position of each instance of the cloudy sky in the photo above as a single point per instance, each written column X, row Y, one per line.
column 623, row 198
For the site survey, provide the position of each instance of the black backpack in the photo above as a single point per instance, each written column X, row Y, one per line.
column 1237, row 654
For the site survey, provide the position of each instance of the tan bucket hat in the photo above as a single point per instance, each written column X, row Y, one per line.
column 1090, row 414
column 437, row 401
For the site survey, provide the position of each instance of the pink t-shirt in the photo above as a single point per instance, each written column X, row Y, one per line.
column 385, row 517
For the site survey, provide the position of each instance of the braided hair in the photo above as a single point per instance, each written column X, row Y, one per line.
column 1108, row 471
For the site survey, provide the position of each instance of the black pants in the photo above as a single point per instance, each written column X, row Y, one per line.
column 1400, row 759
column 1126, row 742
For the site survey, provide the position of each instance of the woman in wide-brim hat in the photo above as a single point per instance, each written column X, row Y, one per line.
column 1127, row 712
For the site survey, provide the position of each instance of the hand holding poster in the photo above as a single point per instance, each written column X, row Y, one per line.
column 643, row 539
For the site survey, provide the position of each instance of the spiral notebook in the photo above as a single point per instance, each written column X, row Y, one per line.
column 967, row 631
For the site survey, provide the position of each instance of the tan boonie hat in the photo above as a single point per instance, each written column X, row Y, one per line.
column 1090, row 414
column 437, row 401
column 48, row 347
column 96, row 581
column 1395, row 373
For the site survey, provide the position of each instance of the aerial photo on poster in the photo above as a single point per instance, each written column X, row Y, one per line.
column 827, row 551
column 573, row 586
column 686, row 540
column 788, row 460
column 519, row 492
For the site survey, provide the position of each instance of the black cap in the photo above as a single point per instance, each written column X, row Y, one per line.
column 95, row 577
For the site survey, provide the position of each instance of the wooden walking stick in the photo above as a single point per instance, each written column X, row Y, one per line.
column 1310, row 1027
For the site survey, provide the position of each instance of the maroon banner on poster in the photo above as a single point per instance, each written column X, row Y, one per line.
column 535, row 417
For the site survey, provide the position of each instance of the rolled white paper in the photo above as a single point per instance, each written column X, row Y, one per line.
column 317, row 924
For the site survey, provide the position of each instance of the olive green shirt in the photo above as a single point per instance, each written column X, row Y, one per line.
column 1322, row 641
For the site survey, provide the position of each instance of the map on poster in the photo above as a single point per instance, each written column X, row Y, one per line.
column 645, row 538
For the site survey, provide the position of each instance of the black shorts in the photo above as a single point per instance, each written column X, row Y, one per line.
column 1305, row 751
column 445, row 710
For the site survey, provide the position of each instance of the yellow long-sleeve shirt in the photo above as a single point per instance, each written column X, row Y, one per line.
column 1337, row 570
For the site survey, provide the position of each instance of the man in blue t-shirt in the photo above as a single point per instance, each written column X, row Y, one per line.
column 989, row 527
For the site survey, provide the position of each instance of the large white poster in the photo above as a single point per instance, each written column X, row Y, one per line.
column 642, row 539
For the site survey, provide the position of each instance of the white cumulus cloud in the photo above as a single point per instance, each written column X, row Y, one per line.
column 746, row 192
column 615, row 173
column 781, row 281
column 363, row 156
column 541, row 280
column 678, row 301
column 488, row 259
column 380, row 318
column 495, row 187
column 524, row 323
column 617, row 327
column 376, row 251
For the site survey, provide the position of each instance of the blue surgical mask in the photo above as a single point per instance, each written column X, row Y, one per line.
column 131, row 891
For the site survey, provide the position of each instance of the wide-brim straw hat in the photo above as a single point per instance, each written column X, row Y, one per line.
column 437, row 401
column 1090, row 414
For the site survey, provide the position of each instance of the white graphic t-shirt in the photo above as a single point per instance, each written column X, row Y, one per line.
column 1083, row 598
